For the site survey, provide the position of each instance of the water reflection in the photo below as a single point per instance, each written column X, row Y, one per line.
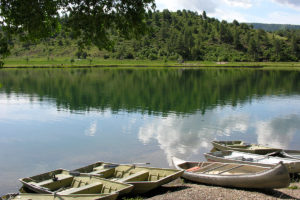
column 150, row 91
column 190, row 136
column 69, row 118
column 279, row 131
column 187, row 136
column 91, row 131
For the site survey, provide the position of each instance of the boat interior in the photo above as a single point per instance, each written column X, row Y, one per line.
column 234, row 144
column 30, row 196
column 220, row 168
column 61, row 182
column 241, row 145
column 126, row 173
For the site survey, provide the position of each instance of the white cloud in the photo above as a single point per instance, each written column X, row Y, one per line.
column 274, row 11
column 289, row 2
column 240, row 3
column 278, row 132
column 194, row 5
column 283, row 18
column 230, row 16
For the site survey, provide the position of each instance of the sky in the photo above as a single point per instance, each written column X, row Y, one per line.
column 262, row 11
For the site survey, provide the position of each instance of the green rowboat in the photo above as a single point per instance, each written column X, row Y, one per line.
column 242, row 146
column 254, row 148
column 28, row 196
column 143, row 179
column 62, row 182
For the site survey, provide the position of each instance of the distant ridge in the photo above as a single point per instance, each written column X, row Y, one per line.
column 274, row 27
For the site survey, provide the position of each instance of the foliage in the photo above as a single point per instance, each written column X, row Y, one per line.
column 90, row 22
column 179, row 36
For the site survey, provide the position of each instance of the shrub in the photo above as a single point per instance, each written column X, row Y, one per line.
column 152, row 56
column 60, row 43
column 84, row 55
column 129, row 55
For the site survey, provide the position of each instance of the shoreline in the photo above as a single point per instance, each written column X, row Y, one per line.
column 64, row 62
column 258, row 67
column 181, row 189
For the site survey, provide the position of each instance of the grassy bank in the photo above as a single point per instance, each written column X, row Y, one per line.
column 100, row 62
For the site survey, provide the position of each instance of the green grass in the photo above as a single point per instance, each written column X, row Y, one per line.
column 133, row 198
column 66, row 62
column 293, row 187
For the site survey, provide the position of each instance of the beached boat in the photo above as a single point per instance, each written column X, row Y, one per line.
column 293, row 165
column 31, row 196
column 295, row 154
column 234, row 175
column 243, row 147
column 62, row 182
column 143, row 179
column 255, row 148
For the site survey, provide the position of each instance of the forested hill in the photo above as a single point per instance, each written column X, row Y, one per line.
column 181, row 35
column 274, row 27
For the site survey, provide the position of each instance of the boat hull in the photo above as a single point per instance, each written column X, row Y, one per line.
column 156, row 176
column 255, row 149
column 220, row 145
column 141, row 187
column 293, row 165
column 23, row 196
column 276, row 177
column 294, row 154
column 68, row 184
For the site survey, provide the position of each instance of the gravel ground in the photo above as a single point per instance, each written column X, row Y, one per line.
column 181, row 189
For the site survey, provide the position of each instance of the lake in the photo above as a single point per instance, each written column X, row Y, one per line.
column 67, row 118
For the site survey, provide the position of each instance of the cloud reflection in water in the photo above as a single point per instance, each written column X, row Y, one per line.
column 184, row 136
column 190, row 136
column 278, row 132
column 91, row 131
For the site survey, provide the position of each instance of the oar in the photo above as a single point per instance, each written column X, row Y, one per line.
column 116, row 165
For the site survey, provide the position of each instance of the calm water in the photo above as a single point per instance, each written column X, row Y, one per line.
column 69, row 118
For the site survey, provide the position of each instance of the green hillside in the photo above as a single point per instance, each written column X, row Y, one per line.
column 274, row 27
column 178, row 36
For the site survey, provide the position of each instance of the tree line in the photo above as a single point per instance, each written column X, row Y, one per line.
column 186, row 35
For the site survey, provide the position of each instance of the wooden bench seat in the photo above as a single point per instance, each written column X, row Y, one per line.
column 101, row 167
column 91, row 188
column 139, row 176
column 101, row 171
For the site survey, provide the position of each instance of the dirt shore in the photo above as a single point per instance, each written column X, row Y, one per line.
column 182, row 190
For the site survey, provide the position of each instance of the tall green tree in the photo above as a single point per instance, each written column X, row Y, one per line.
column 90, row 21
